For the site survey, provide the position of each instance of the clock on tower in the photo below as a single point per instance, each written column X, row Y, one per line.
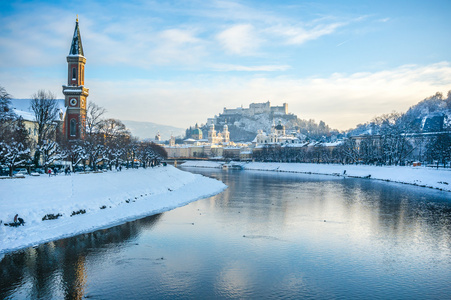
column 74, row 92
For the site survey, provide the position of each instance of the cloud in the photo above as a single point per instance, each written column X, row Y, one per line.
column 262, row 68
column 384, row 20
column 239, row 39
column 24, row 43
column 178, row 46
column 297, row 35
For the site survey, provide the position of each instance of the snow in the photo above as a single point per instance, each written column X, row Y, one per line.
column 419, row 176
column 126, row 195
column 22, row 107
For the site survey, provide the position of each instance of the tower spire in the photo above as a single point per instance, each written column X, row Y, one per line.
column 76, row 47
column 75, row 92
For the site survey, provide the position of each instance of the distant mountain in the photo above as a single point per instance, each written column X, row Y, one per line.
column 148, row 130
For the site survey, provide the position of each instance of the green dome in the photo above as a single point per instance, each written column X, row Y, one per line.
column 196, row 131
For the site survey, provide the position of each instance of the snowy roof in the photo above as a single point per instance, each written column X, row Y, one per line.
column 295, row 145
column 76, row 47
column 22, row 108
column 333, row 144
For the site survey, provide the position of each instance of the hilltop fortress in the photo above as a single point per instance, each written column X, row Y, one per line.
column 257, row 108
column 244, row 123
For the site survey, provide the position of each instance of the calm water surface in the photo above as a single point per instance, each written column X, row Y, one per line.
column 269, row 235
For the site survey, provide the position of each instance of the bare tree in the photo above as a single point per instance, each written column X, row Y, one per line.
column 94, row 119
column 112, row 128
column 45, row 109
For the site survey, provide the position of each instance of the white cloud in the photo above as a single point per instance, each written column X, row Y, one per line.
column 384, row 20
column 261, row 68
column 177, row 46
column 299, row 34
column 239, row 39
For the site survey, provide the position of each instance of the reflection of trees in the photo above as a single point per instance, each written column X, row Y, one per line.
column 374, row 208
column 61, row 264
column 389, row 211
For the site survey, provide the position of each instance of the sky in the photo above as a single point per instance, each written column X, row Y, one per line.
column 180, row 62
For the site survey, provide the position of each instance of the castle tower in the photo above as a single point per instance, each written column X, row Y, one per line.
column 74, row 92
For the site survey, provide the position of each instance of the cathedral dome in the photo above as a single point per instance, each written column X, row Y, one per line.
column 197, row 131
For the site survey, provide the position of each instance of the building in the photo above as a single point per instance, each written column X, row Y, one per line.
column 196, row 134
column 75, row 92
column 276, row 136
column 22, row 108
column 257, row 108
column 215, row 137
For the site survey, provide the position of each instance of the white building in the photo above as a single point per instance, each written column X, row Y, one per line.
column 276, row 136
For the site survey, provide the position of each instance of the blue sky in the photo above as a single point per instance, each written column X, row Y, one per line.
column 180, row 62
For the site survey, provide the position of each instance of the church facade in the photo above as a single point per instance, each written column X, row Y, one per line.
column 75, row 93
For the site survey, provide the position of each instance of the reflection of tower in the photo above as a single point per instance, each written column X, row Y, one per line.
column 74, row 92
column 80, row 281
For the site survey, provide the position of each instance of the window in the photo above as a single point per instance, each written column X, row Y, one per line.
column 74, row 73
column 73, row 127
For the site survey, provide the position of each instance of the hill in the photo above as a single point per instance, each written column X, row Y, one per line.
column 433, row 114
column 244, row 123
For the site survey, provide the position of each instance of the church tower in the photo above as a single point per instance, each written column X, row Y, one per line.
column 74, row 92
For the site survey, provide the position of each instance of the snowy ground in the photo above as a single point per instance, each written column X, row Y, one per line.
column 109, row 199
column 420, row 176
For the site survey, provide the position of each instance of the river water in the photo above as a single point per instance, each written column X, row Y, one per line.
column 269, row 235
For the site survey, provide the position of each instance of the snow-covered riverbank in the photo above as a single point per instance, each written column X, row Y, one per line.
column 420, row 176
column 107, row 199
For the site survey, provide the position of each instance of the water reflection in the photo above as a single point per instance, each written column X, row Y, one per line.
column 269, row 235
column 57, row 270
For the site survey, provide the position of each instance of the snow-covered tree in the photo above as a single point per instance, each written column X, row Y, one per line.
column 6, row 112
column 51, row 152
column 13, row 154
column 44, row 107
column 439, row 149
column 394, row 144
column 76, row 153
column 7, row 116
column 349, row 151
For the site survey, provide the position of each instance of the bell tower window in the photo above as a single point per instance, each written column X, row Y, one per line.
column 73, row 127
column 82, row 75
column 74, row 73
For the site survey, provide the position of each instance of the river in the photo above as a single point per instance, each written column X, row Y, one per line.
column 269, row 235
